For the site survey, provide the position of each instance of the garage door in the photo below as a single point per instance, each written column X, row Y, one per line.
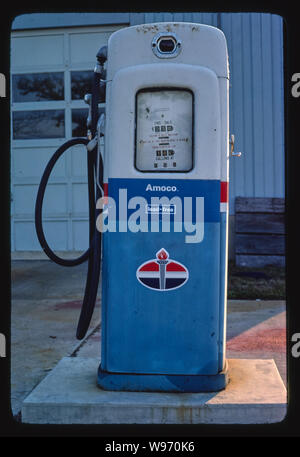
column 51, row 70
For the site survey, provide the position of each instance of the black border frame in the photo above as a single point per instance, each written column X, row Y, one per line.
column 289, row 427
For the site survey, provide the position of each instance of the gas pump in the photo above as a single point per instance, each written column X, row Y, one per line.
column 158, row 208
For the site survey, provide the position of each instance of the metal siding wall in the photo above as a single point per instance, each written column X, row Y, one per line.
column 201, row 18
column 255, row 48
column 278, row 106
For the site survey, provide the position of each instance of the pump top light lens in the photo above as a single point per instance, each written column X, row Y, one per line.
column 166, row 45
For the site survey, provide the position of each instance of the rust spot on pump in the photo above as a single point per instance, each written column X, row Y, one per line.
column 147, row 28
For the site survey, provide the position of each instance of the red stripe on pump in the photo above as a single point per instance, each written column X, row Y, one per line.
column 150, row 266
column 105, row 189
column 224, row 192
column 174, row 266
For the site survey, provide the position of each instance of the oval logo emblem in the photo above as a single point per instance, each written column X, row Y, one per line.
column 162, row 273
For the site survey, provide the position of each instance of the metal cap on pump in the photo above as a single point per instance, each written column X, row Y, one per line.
column 99, row 68
column 102, row 55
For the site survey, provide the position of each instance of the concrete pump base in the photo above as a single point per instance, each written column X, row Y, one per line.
column 69, row 394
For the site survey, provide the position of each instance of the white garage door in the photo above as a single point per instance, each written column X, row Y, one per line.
column 51, row 71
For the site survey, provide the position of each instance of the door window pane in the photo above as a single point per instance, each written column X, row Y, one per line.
column 79, row 117
column 38, row 124
column 34, row 87
column 81, row 84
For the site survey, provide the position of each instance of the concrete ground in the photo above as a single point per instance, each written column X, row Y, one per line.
column 46, row 301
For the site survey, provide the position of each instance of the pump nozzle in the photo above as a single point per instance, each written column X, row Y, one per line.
column 102, row 55
column 101, row 59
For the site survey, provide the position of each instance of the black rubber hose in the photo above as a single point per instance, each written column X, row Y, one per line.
column 39, row 205
column 94, row 260
column 93, row 277
column 93, row 254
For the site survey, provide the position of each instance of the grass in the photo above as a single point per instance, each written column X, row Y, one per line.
column 265, row 283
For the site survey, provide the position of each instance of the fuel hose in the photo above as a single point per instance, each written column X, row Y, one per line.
column 93, row 253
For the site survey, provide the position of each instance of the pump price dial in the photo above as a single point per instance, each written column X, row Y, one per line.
column 164, row 129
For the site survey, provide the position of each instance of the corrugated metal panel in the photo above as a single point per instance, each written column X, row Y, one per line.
column 201, row 18
column 54, row 20
column 255, row 47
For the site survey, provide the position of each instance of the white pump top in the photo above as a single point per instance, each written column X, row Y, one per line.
column 200, row 45
column 146, row 65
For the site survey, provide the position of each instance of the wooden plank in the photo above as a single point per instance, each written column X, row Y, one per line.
column 259, row 244
column 260, row 223
column 259, row 205
column 260, row 228
column 258, row 261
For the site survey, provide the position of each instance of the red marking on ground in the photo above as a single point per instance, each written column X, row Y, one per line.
column 74, row 304
column 269, row 339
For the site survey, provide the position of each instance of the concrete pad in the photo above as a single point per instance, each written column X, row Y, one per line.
column 69, row 395
column 257, row 330
column 43, row 332
column 45, row 307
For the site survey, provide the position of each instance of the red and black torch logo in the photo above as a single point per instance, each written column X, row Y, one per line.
column 162, row 273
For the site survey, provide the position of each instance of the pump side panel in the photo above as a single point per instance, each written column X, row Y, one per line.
column 163, row 331
column 147, row 329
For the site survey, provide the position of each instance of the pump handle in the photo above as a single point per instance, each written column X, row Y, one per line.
column 102, row 55
column 231, row 142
